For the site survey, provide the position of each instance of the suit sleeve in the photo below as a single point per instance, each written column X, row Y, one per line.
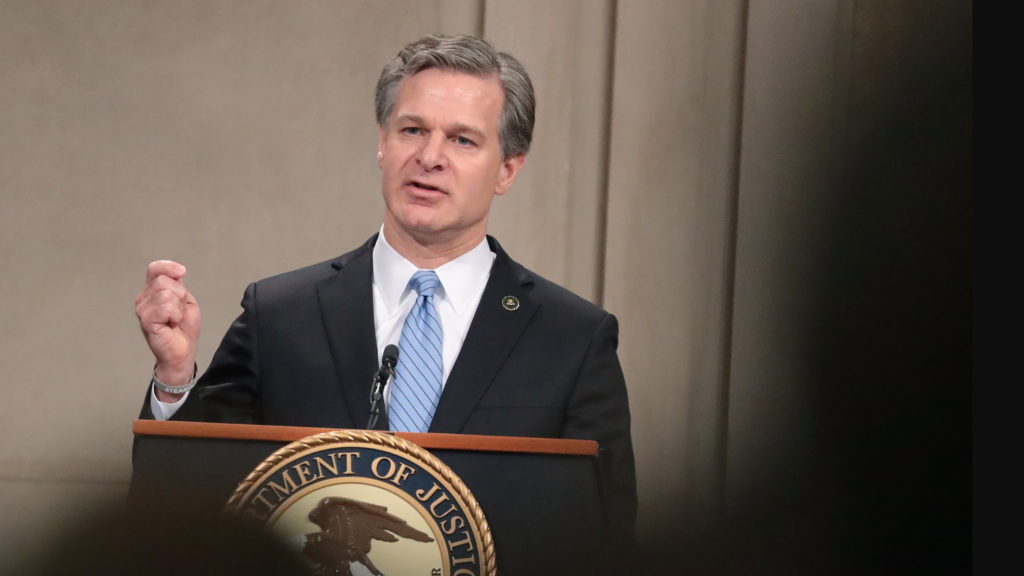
column 599, row 409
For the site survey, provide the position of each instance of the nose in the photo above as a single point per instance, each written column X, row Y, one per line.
column 432, row 154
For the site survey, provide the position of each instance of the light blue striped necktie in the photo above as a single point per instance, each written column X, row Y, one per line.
column 418, row 372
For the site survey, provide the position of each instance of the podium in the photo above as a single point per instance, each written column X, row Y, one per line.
column 542, row 497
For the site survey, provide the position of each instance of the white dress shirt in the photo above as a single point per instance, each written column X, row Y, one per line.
column 462, row 285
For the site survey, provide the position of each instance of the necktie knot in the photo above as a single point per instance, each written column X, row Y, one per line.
column 425, row 282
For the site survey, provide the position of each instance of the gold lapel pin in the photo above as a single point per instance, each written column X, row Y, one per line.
column 510, row 303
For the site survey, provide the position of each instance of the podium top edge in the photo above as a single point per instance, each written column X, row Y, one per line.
column 430, row 441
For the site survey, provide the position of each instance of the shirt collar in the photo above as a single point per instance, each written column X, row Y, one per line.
column 461, row 279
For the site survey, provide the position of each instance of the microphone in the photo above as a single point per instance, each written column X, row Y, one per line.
column 380, row 379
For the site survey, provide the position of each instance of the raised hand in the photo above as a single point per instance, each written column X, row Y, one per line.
column 170, row 320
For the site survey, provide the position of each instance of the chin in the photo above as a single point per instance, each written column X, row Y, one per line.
column 418, row 228
column 419, row 219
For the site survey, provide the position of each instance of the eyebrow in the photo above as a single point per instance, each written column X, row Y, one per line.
column 457, row 128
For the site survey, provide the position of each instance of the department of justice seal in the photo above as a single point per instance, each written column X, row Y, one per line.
column 356, row 502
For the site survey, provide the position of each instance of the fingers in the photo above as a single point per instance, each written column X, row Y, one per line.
column 165, row 284
column 168, row 268
column 163, row 289
column 163, row 300
column 162, row 307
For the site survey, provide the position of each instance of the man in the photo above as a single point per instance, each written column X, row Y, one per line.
column 486, row 346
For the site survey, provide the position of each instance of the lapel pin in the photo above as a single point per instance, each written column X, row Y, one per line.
column 510, row 303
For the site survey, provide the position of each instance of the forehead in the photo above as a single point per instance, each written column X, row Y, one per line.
column 456, row 96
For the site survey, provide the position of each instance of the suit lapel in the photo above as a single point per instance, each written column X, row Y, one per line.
column 492, row 334
column 346, row 305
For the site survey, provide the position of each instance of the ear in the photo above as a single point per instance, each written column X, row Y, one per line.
column 510, row 168
column 380, row 147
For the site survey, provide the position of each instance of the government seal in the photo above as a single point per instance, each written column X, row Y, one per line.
column 359, row 502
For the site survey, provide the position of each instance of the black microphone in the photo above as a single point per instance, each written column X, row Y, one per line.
column 380, row 379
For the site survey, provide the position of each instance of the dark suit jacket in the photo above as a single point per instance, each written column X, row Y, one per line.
column 303, row 353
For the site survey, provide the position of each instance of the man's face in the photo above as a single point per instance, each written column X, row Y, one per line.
column 441, row 158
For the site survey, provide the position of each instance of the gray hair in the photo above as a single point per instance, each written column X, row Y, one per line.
column 469, row 55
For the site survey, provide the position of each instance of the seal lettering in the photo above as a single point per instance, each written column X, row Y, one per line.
column 404, row 470
column 468, row 542
column 424, row 496
column 302, row 469
column 440, row 499
column 452, row 524
column 395, row 473
column 321, row 464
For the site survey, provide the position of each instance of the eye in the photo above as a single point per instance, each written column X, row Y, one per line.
column 463, row 141
column 412, row 131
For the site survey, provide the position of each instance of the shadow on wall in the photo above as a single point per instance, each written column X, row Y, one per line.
column 884, row 487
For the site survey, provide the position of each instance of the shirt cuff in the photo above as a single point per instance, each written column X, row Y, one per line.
column 164, row 410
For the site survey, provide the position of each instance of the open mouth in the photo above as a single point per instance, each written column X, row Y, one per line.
column 424, row 186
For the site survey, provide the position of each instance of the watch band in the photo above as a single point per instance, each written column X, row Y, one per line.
column 176, row 389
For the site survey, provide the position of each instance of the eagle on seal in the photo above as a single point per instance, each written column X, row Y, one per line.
column 347, row 528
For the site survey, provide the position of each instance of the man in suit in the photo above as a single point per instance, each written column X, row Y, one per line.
column 486, row 346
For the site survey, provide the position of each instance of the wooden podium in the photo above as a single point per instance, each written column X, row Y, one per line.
column 542, row 497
